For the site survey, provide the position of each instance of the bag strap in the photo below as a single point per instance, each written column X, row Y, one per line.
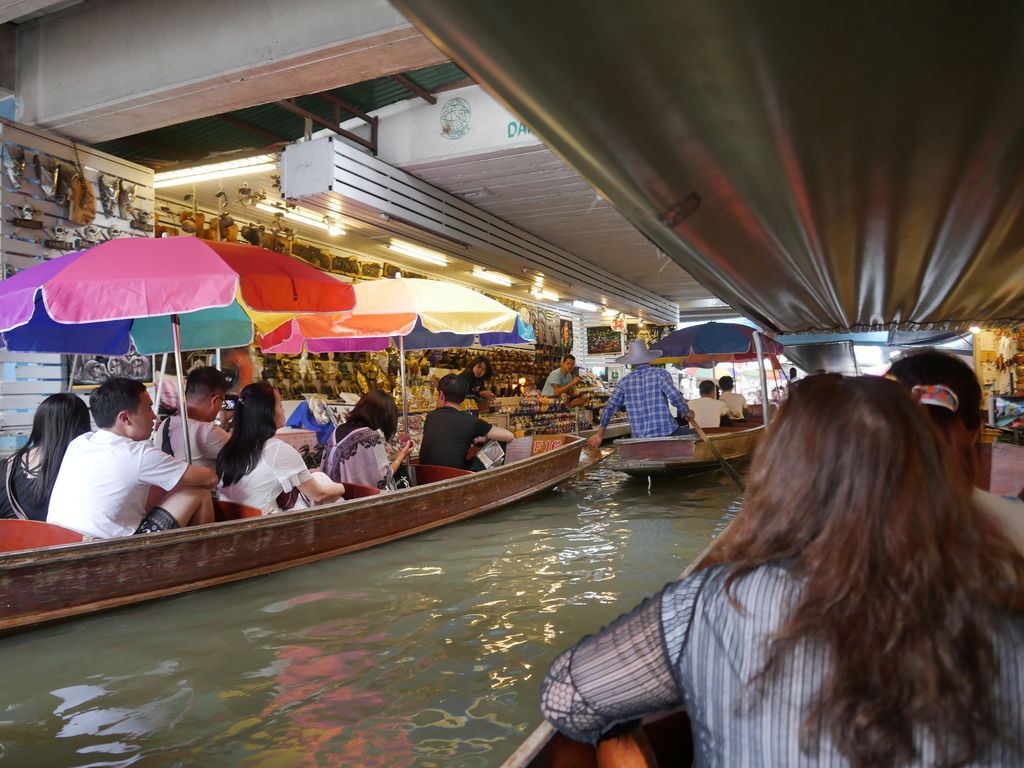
column 165, row 441
column 9, row 486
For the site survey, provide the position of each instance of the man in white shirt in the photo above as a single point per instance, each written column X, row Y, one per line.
column 204, row 394
column 106, row 476
column 734, row 402
column 706, row 409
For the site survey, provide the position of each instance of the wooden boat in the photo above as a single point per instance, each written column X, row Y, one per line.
column 686, row 454
column 64, row 576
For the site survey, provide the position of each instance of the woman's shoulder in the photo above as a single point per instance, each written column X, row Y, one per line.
column 275, row 446
column 711, row 588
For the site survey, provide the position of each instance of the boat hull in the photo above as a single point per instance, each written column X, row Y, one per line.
column 684, row 455
column 58, row 582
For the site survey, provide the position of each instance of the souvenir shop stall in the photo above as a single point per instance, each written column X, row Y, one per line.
column 999, row 365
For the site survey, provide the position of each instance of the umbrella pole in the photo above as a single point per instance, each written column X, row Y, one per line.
column 182, row 407
column 405, row 406
column 765, row 405
column 160, row 380
column 71, row 375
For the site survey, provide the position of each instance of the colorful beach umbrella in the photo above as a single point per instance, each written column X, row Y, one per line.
column 414, row 313
column 713, row 342
column 98, row 300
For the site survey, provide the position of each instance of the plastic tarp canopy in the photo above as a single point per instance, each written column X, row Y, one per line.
column 820, row 167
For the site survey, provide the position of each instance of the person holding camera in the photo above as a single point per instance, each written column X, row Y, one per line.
column 205, row 390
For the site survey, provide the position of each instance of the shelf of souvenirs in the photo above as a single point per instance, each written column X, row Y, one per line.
column 336, row 375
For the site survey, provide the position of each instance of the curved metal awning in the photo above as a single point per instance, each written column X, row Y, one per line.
column 818, row 166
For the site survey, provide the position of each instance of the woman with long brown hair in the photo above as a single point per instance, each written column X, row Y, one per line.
column 851, row 617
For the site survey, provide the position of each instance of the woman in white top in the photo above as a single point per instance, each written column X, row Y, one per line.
column 255, row 467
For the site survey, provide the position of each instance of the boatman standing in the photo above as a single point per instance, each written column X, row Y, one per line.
column 646, row 392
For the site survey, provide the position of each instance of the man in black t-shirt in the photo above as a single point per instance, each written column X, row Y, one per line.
column 448, row 432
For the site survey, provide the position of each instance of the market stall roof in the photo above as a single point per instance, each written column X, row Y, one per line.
column 818, row 166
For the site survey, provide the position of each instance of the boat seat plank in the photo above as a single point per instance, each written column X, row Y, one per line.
column 16, row 535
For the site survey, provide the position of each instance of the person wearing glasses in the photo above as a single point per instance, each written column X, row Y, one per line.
column 205, row 389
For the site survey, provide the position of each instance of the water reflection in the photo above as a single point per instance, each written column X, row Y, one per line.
column 425, row 652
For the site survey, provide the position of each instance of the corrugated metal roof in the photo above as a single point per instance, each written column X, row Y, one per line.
column 269, row 123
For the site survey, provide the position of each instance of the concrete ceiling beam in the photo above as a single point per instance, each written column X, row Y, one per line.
column 139, row 65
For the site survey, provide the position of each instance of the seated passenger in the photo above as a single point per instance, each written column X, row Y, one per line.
column 204, row 394
column 30, row 473
column 106, row 476
column 255, row 468
column 950, row 390
column 448, row 433
column 708, row 411
column 851, row 614
column 355, row 452
column 733, row 401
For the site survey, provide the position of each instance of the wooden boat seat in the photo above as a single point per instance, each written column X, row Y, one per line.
column 16, row 535
column 428, row 473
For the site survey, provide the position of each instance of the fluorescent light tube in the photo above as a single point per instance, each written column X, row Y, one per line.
column 414, row 251
column 540, row 293
column 212, row 171
column 585, row 305
column 494, row 277
column 303, row 217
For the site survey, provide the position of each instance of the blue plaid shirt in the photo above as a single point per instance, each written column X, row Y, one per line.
column 644, row 392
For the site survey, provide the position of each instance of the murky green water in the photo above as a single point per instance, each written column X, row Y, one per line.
column 424, row 652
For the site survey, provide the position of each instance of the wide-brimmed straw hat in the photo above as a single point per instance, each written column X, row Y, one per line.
column 638, row 354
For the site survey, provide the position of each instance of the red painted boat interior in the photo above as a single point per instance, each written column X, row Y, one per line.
column 16, row 535
column 353, row 491
column 228, row 510
column 428, row 473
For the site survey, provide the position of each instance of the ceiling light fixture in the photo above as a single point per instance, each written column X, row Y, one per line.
column 304, row 217
column 212, row 171
column 542, row 294
column 414, row 251
column 610, row 312
column 585, row 305
column 975, row 329
column 494, row 277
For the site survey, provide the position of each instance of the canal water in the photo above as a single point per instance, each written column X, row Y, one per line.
column 422, row 653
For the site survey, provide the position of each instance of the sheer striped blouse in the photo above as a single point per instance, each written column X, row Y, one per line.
column 688, row 646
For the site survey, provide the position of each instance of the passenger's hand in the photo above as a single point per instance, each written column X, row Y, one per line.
column 405, row 450
column 594, row 441
column 486, row 394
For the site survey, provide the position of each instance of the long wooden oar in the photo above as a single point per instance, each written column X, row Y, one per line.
column 729, row 470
